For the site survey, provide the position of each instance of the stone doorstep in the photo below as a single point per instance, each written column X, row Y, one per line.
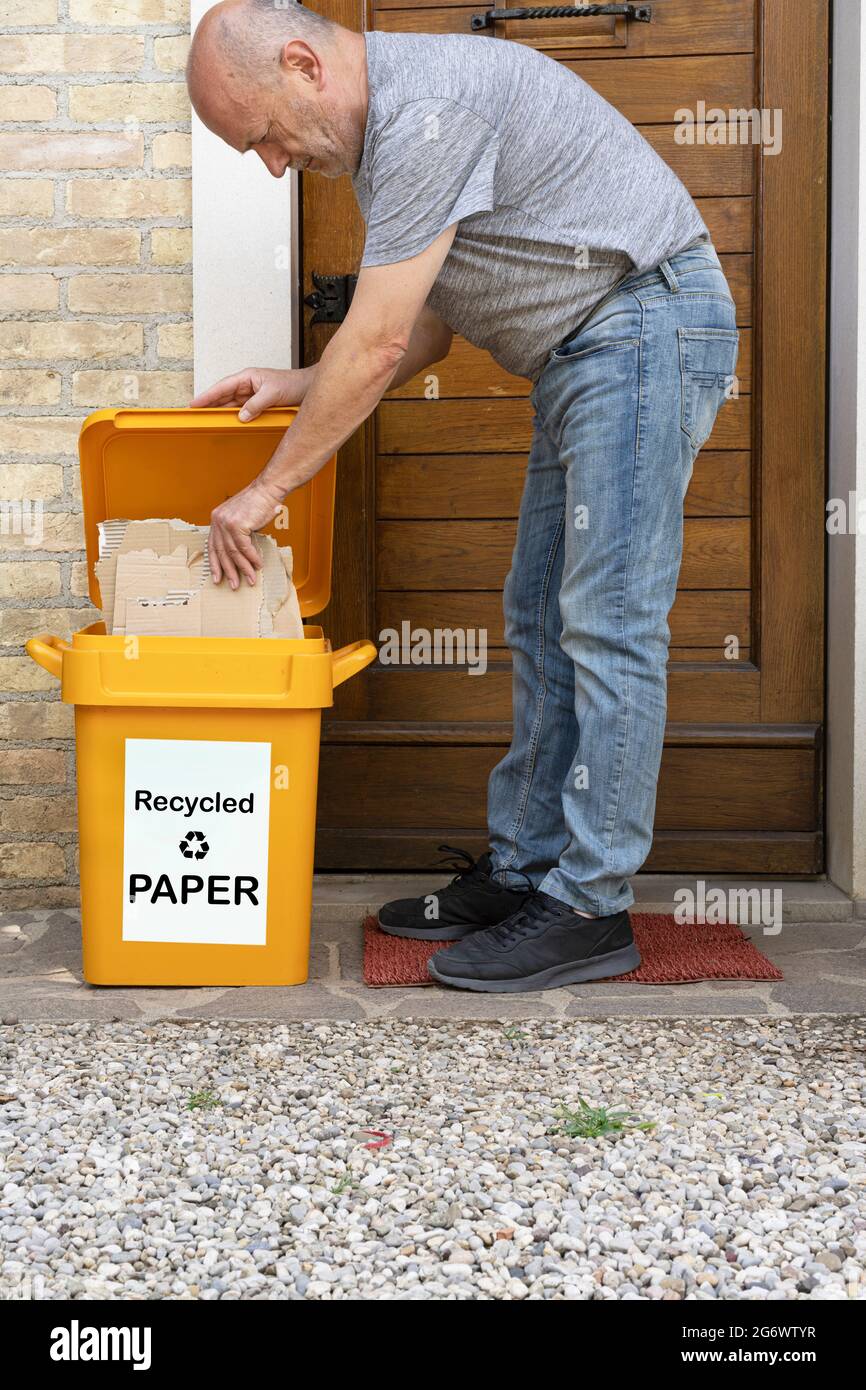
column 345, row 897
column 824, row 966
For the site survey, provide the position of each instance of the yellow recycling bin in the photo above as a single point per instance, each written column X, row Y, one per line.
column 197, row 757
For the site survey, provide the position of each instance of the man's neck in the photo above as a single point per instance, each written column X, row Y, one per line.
column 358, row 86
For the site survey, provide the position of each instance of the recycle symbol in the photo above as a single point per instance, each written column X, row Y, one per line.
column 194, row 845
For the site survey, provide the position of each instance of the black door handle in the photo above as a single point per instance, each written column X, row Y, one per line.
column 642, row 13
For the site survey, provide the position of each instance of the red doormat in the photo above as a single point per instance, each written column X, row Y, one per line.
column 671, row 954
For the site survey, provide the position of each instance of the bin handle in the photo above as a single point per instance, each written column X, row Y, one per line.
column 348, row 661
column 47, row 652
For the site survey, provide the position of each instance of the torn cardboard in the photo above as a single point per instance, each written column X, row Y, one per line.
column 154, row 579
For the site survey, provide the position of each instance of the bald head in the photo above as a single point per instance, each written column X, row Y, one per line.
column 283, row 81
column 247, row 36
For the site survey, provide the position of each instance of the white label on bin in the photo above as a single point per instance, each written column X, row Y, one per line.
column 195, row 841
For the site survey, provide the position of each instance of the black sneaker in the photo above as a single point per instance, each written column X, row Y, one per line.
column 472, row 901
column 544, row 945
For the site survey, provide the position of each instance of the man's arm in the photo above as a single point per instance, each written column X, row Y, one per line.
column 376, row 342
column 430, row 342
column 257, row 389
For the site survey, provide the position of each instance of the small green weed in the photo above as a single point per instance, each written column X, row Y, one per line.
column 593, row 1122
column 203, row 1100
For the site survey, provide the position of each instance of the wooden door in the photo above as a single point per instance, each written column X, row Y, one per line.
column 428, row 489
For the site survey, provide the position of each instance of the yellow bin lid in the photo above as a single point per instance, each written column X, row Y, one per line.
column 137, row 464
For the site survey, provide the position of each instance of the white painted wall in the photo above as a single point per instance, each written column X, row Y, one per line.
column 244, row 257
column 846, row 573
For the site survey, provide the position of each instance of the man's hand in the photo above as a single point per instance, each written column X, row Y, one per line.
column 256, row 389
column 231, row 549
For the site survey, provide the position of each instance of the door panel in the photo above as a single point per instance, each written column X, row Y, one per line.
column 701, row 619
column 780, row 793
column 430, row 488
column 421, row 486
column 679, row 26
column 432, row 426
column 443, row 555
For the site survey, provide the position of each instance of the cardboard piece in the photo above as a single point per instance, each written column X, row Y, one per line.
column 155, row 580
column 173, row 617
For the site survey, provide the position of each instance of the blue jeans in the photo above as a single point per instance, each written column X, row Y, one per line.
column 621, row 410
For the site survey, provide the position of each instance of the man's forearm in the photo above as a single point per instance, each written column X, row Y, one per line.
column 389, row 321
column 350, row 379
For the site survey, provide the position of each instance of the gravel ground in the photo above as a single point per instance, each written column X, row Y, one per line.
column 750, row 1185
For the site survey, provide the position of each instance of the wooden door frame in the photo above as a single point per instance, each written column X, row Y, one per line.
column 788, row 426
column 790, row 423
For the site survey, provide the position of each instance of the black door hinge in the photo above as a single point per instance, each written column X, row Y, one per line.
column 331, row 297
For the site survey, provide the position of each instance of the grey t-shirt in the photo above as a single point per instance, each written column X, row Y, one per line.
column 556, row 195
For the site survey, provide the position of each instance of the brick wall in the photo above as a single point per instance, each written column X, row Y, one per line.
column 95, row 310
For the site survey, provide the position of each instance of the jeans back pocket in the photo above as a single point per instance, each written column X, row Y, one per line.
column 708, row 361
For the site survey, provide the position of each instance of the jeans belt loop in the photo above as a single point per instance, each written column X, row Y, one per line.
column 673, row 283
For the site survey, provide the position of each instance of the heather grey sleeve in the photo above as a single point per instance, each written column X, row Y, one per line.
column 432, row 164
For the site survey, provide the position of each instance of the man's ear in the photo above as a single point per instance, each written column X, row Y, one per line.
column 299, row 60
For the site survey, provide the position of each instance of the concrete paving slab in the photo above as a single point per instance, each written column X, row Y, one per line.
column 803, row 938
column 714, row 1005
column 309, row 1001
column 804, row 967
